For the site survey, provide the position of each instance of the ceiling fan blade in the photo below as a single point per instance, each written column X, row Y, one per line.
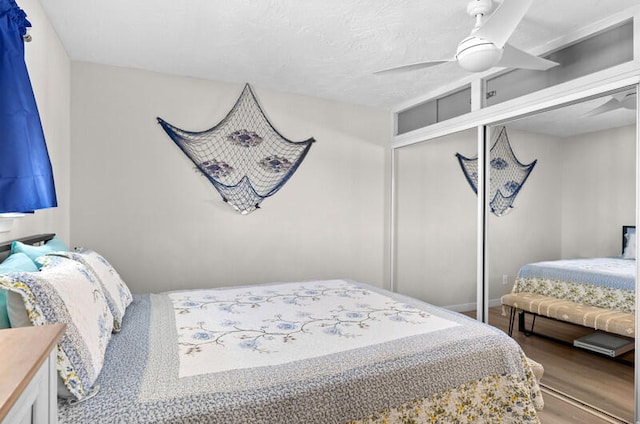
column 612, row 104
column 414, row 66
column 513, row 57
column 501, row 24
column 626, row 98
column 620, row 96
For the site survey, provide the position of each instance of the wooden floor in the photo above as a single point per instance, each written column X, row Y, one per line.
column 590, row 378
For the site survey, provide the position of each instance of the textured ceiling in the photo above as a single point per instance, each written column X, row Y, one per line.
column 322, row 48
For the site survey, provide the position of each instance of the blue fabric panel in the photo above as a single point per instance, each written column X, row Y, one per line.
column 26, row 178
column 616, row 273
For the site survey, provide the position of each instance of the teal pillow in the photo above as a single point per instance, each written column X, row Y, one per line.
column 4, row 315
column 53, row 245
column 18, row 262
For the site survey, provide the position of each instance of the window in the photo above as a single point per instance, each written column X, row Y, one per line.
column 608, row 48
column 436, row 110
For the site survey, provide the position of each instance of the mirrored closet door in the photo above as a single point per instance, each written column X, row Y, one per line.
column 435, row 223
column 574, row 204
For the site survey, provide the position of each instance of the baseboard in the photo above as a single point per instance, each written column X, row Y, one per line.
column 466, row 307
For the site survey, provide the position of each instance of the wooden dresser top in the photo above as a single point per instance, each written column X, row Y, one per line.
column 22, row 352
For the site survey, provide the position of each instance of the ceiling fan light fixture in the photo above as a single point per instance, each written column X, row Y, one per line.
column 476, row 54
column 487, row 46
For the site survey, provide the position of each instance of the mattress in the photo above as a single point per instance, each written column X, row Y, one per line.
column 310, row 352
column 602, row 282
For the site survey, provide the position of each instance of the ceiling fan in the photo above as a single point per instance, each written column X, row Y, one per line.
column 618, row 101
column 487, row 45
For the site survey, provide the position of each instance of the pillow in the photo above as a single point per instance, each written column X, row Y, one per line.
column 4, row 315
column 114, row 289
column 34, row 252
column 18, row 262
column 630, row 248
column 18, row 316
column 64, row 291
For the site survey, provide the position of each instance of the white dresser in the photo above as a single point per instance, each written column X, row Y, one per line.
column 28, row 377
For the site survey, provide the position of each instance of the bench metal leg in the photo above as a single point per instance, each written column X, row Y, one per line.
column 512, row 317
column 521, row 324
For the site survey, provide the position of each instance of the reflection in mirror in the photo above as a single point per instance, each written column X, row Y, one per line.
column 573, row 206
column 436, row 223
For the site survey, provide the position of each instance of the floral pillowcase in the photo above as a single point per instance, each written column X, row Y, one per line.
column 115, row 290
column 64, row 291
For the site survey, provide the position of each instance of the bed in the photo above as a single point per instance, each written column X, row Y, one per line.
column 332, row 351
column 594, row 292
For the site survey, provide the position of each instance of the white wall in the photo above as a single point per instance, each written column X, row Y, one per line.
column 138, row 200
column 598, row 192
column 49, row 70
column 436, row 221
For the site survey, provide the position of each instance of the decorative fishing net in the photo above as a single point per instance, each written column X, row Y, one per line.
column 506, row 174
column 244, row 156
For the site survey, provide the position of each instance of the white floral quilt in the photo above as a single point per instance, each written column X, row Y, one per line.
column 314, row 352
column 259, row 326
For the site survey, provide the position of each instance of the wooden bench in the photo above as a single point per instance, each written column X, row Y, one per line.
column 616, row 322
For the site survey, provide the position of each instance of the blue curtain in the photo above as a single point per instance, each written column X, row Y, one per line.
column 26, row 178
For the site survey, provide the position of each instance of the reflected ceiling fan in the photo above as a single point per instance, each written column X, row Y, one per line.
column 618, row 101
column 487, row 45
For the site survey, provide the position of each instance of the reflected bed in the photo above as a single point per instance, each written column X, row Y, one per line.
column 594, row 292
